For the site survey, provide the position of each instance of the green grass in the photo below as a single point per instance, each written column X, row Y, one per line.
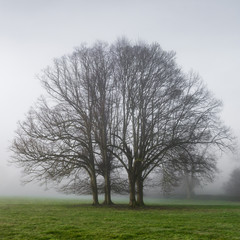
column 164, row 219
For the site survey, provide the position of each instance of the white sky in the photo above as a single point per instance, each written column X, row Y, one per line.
column 205, row 35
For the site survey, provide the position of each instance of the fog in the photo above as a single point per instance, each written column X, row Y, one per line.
column 205, row 35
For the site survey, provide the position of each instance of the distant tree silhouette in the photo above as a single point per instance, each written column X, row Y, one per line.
column 232, row 187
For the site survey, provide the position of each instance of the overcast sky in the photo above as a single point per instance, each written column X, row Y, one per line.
column 205, row 35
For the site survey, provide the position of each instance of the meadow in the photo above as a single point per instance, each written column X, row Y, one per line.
column 36, row 218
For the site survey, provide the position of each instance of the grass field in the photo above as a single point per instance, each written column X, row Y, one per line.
column 26, row 218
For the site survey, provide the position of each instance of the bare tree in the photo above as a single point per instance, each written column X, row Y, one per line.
column 120, row 106
column 161, row 110
column 81, row 92
column 103, row 96
column 57, row 141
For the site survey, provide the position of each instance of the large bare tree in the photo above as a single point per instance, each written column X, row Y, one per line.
column 116, row 106
column 161, row 111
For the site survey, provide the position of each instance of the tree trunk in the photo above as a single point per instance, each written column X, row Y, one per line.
column 140, row 201
column 94, row 190
column 132, row 191
column 189, row 186
column 107, row 189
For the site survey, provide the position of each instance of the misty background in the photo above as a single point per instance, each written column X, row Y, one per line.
column 205, row 35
